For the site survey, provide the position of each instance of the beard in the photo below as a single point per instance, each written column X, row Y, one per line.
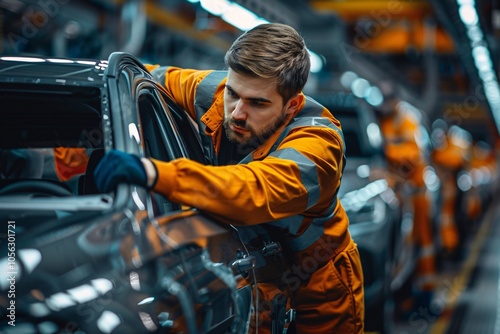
column 254, row 139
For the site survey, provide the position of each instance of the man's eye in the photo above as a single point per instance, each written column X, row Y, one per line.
column 257, row 103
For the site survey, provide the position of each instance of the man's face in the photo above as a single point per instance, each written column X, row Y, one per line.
column 253, row 109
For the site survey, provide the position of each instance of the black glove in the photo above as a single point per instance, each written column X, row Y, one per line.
column 117, row 167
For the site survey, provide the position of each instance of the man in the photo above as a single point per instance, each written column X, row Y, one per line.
column 290, row 155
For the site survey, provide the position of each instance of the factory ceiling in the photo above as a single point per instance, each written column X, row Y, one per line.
column 423, row 46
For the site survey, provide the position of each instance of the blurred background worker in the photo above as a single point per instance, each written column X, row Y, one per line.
column 70, row 161
column 449, row 157
column 407, row 162
column 482, row 170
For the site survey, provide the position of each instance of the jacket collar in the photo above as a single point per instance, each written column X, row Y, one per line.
column 214, row 116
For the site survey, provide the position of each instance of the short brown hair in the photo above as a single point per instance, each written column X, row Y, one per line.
column 272, row 51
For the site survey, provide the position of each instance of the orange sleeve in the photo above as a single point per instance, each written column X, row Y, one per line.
column 238, row 192
column 261, row 191
column 181, row 85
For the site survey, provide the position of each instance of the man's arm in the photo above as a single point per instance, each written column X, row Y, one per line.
column 301, row 177
column 181, row 85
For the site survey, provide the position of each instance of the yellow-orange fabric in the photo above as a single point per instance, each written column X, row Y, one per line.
column 447, row 225
column 70, row 161
column 268, row 189
column 422, row 231
column 324, row 304
column 450, row 155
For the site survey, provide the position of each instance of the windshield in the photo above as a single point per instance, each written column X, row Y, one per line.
column 48, row 135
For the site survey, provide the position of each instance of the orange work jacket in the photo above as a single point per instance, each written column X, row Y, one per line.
column 70, row 161
column 290, row 181
column 406, row 158
column 399, row 131
column 449, row 155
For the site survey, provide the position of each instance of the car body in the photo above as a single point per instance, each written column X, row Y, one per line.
column 130, row 261
column 376, row 220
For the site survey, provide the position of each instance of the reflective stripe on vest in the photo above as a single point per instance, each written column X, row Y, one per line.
column 205, row 92
column 203, row 101
column 311, row 234
column 310, row 115
column 308, row 172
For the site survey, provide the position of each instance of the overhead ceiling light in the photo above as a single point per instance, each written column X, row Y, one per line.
column 374, row 135
column 360, row 87
column 244, row 19
column 347, row 78
column 374, row 96
column 233, row 13
column 468, row 14
column 482, row 58
column 316, row 62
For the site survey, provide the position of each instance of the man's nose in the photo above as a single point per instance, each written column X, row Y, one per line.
column 239, row 110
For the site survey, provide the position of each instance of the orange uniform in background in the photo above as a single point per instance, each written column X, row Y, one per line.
column 69, row 161
column 483, row 170
column 400, row 127
column 449, row 157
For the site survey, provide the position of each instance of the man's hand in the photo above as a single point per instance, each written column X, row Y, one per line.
column 117, row 167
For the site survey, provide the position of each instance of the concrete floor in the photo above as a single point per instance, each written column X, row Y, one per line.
column 467, row 300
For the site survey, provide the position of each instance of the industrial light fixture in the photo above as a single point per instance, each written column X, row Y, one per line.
column 481, row 55
column 232, row 13
column 362, row 88
column 244, row 19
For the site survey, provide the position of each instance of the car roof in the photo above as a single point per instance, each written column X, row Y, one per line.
column 57, row 71
column 50, row 101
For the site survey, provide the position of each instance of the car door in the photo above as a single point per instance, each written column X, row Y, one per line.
column 201, row 263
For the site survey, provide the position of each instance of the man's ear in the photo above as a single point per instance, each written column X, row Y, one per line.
column 294, row 103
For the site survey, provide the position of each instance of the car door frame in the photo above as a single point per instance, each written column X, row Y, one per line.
column 141, row 83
